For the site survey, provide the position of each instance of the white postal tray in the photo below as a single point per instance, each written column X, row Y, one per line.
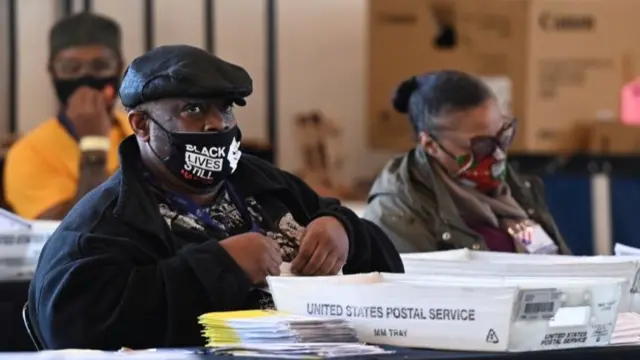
column 461, row 313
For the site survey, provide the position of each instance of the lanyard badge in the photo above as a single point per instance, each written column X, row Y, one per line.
column 189, row 207
column 201, row 213
column 532, row 237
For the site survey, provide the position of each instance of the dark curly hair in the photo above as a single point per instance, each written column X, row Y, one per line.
column 428, row 96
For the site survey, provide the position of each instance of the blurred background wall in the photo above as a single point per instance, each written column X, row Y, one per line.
column 321, row 58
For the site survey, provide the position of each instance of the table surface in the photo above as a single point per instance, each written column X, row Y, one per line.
column 600, row 353
column 608, row 352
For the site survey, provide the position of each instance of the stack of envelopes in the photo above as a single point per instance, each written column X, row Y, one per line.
column 627, row 330
column 271, row 327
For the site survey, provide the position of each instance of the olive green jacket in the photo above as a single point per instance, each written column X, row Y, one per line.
column 412, row 205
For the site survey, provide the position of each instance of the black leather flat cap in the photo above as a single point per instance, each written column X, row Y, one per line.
column 182, row 71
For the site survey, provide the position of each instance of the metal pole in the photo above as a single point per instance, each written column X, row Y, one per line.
column 149, row 26
column 12, row 48
column 272, row 76
column 209, row 26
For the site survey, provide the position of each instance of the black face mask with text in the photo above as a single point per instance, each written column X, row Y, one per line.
column 66, row 88
column 202, row 160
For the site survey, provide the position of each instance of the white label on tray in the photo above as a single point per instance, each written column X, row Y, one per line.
column 538, row 304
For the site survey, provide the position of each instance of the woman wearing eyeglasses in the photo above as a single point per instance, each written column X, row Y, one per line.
column 454, row 189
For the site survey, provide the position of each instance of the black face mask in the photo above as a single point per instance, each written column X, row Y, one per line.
column 202, row 160
column 66, row 88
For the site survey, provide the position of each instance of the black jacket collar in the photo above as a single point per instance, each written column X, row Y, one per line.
column 137, row 206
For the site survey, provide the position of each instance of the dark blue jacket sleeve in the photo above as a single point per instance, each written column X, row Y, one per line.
column 102, row 292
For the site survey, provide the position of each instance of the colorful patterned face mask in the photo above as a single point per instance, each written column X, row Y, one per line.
column 485, row 175
column 484, row 168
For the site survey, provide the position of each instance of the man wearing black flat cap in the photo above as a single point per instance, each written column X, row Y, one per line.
column 188, row 225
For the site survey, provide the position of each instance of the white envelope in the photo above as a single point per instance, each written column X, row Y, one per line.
column 486, row 263
column 11, row 221
column 20, row 249
column 472, row 313
column 625, row 250
column 285, row 270
column 453, row 255
column 491, row 256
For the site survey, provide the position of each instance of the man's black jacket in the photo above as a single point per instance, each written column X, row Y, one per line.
column 113, row 274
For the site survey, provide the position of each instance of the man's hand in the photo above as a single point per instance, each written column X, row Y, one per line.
column 324, row 247
column 258, row 255
column 87, row 109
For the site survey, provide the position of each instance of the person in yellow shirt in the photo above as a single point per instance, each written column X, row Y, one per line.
column 67, row 156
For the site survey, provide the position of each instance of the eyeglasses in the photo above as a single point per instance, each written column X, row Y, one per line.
column 484, row 146
column 71, row 68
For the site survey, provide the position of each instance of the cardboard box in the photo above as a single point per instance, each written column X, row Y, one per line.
column 613, row 139
column 551, row 62
column 320, row 144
